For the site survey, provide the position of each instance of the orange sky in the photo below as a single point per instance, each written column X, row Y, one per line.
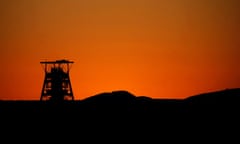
column 156, row 48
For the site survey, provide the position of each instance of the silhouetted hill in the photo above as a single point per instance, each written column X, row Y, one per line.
column 123, row 101
column 219, row 101
column 214, row 112
column 222, row 96
column 113, row 98
column 124, row 105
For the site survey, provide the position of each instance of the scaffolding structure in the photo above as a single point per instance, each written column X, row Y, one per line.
column 57, row 85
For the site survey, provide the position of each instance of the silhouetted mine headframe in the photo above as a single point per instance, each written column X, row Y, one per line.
column 57, row 85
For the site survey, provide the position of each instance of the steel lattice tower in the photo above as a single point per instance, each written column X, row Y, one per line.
column 57, row 85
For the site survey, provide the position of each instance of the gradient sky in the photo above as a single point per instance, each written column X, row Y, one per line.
column 156, row 48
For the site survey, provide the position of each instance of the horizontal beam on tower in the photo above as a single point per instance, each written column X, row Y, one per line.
column 56, row 62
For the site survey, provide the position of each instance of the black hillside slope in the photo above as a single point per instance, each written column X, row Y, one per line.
column 122, row 104
column 120, row 115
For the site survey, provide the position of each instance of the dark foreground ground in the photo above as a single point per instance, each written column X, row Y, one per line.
column 201, row 115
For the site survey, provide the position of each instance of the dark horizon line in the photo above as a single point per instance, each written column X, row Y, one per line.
column 137, row 96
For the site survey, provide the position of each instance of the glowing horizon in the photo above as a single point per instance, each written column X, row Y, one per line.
column 160, row 49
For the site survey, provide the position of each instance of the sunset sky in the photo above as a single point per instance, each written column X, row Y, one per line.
column 155, row 48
